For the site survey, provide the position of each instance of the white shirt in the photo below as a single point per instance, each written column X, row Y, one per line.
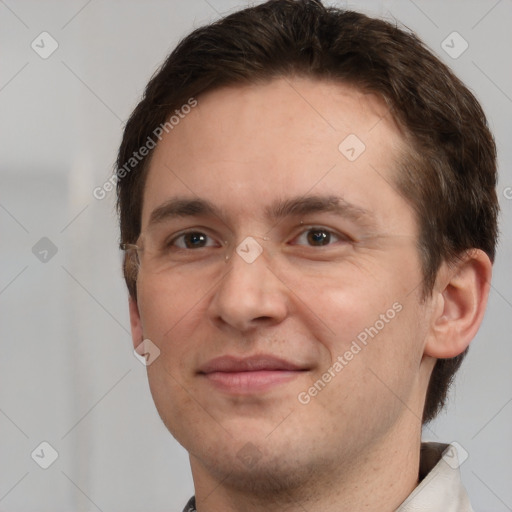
column 440, row 487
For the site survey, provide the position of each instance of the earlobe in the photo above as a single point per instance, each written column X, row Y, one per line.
column 460, row 297
column 135, row 323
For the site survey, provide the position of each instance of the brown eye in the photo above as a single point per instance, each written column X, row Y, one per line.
column 318, row 237
column 192, row 240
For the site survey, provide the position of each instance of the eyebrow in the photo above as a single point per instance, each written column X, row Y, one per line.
column 280, row 209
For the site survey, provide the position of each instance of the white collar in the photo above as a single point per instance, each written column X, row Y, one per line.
column 440, row 487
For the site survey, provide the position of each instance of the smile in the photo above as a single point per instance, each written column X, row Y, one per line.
column 250, row 382
column 250, row 375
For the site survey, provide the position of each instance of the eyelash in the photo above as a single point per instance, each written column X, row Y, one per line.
column 340, row 237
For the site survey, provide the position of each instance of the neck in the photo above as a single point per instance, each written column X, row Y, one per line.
column 380, row 479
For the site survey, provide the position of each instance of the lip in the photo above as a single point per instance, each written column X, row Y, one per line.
column 249, row 375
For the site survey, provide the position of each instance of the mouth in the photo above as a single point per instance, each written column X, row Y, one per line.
column 249, row 375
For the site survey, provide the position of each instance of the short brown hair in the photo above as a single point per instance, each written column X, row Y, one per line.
column 449, row 173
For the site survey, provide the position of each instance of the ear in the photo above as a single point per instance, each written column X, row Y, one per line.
column 135, row 323
column 459, row 300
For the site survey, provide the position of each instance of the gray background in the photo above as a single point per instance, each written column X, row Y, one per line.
column 67, row 372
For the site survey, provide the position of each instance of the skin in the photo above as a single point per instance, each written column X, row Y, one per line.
column 355, row 445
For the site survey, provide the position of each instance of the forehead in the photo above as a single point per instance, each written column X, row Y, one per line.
column 242, row 146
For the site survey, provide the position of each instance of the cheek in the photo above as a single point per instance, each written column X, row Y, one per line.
column 169, row 318
column 166, row 304
column 345, row 301
column 169, row 313
column 377, row 368
column 372, row 323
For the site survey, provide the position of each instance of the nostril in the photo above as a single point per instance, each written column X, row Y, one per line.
column 263, row 319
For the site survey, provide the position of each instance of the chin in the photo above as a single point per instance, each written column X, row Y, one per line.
column 252, row 471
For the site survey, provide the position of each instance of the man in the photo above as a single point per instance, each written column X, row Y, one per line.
column 307, row 204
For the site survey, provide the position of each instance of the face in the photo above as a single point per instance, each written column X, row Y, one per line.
column 281, row 281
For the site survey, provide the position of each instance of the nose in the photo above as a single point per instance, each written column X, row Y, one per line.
column 250, row 295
